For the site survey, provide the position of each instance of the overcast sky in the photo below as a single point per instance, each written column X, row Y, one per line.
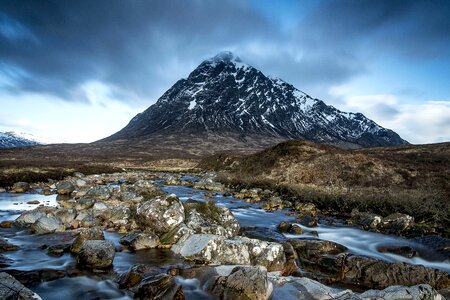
column 78, row 71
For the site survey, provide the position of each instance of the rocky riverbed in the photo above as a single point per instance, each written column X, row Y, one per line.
column 182, row 236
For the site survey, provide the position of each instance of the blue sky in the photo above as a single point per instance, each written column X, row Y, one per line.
column 78, row 71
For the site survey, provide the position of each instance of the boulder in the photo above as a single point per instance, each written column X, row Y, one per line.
column 287, row 227
column 30, row 217
column 20, row 187
column 86, row 235
column 12, row 289
column 175, row 234
column 84, row 203
column 159, row 287
column 66, row 215
column 416, row 292
column 396, row 223
column 308, row 249
column 47, row 225
column 244, row 283
column 101, row 193
column 214, row 249
column 365, row 220
column 135, row 275
column 405, row 251
column 96, row 254
column 161, row 214
column 263, row 233
column 206, row 217
column 139, row 240
column 65, row 188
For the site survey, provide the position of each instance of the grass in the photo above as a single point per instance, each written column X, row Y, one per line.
column 207, row 209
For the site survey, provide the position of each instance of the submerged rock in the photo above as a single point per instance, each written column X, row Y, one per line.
column 96, row 254
column 12, row 289
column 161, row 214
column 405, row 251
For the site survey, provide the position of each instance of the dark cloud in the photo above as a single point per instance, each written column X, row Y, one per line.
column 139, row 48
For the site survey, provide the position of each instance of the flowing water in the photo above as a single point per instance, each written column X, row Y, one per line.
column 82, row 284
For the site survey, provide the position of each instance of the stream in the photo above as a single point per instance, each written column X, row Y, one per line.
column 77, row 284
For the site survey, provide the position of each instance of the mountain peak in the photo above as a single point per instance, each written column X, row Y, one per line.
column 225, row 56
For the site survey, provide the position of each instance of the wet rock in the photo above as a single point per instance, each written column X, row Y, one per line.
column 214, row 249
column 273, row 203
column 306, row 208
column 12, row 289
column 65, row 188
column 33, row 202
column 89, row 221
column 263, row 234
column 311, row 252
column 161, row 286
column 101, row 193
column 58, row 250
column 287, row 227
column 206, row 217
column 372, row 273
column 308, row 220
column 405, row 251
column 86, row 235
column 365, row 220
column 396, row 223
column 209, row 185
column 84, row 203
column 161, row 214
column 47, row 225
column 6, row 224
column 135, row 275
column 96, row 254
column 20, row 187
column 6, row 246
column 140, row 240
column 244, row 283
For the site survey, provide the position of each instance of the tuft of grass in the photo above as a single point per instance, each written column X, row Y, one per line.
column 207, row 209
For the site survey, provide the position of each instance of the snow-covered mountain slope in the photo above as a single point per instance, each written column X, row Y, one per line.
column 13, row 139
column 224, row 95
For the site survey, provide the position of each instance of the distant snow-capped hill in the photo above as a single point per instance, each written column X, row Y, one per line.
column 13, row 139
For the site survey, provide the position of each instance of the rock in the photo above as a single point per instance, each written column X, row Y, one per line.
column 439, row 244
column 405, row 251
column 306, row 208
column 65, row 188
column 84, row 203
column 20, row 187
column 101, row 193
column 12, row 289
column 47, row 225
column 308, row 220
column 139, row 240
column 30, row 217
column 79, row 175
column 57, row 250
column 273, row 203
column 417, row 292
column 100, row 206
column 209, row 185
column 175, row 234
column 131, row 197
column 206, row 217
column 365, row 220
column 86, row 235
column 33, row 202
column 214, row 249
column 372, row 273
column 396, row 223
column 66, row 215
column 96, row 254
column 244, row 283
column 287, row 227
column 2, row 190
column 80, row 183
column 161, row 286
column 135, row 275
column 6, row 246
column 310, row 249
column 263, row 234
column 6, row 224
column 161, row 214
column 89, row 221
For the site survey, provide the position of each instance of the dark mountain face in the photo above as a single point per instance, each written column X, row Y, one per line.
column 224, row 96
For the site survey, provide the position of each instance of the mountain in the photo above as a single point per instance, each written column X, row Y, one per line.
column 13, row 139
column 227, row 101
